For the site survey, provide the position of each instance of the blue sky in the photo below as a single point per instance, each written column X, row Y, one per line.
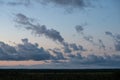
column 60, row 19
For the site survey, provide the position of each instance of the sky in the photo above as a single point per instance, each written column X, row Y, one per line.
column 59, row 34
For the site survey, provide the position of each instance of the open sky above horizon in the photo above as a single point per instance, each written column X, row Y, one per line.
column 60, row 33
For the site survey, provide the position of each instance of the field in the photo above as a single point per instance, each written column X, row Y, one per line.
column 49, row 74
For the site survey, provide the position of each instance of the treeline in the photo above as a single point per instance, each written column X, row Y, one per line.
column 59, row 75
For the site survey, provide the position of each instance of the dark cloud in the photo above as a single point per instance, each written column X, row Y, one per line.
column 6, row 50
column 117, row 46
column 31, row 51
column 62, row 3
column 24, row 51
column 101, row 44
column 107, row 60
column 78, row 57
column 79, row 28
column 58, row 54
column 66, row 47
column 67, row 50
column 23, row 20
column 116, row 38
column 71, row 47
column 76, row 47
column 95, row 60
column 38, row 29
column 108, row 33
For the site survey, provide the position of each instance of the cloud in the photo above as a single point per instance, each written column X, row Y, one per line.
column 117, row 46
column 101, row 44
column 116, row 38
column 38, row 29
column 19, row 2
column 72, row 47
column 29, row 51
column 107, row 60
column 67, row 49
column 96, row 61
column 108, row 33
column 58, row 54
column 24, row 51
column 79, row 28
column 76, row 47
column 62, row 3
column 67, row 3
column 89, row 39
column 15, row 2
column 28, row 24
column 6, row 48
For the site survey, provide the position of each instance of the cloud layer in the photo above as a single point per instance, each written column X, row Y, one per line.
column 62, row 3
column 95, row 60
column 68, row 5
column 30, row 51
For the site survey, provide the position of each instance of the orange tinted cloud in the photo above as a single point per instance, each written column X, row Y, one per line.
column 15, row 63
